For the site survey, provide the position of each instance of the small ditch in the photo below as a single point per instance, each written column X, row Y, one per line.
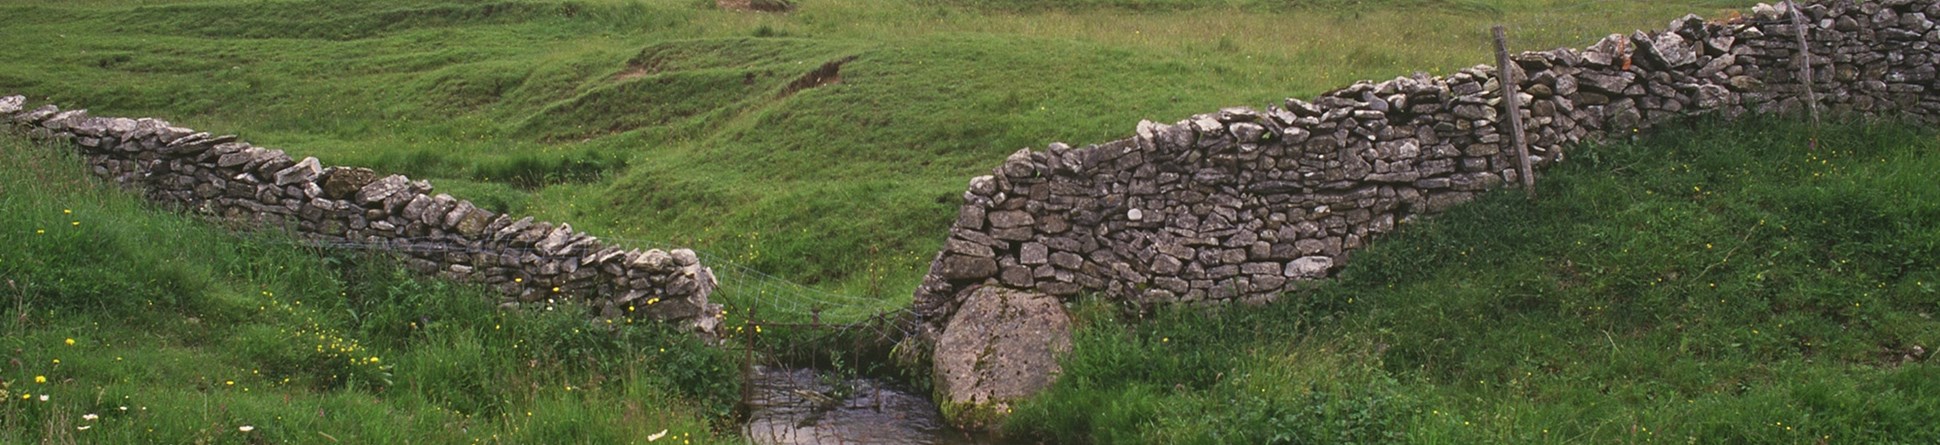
column 828, row 74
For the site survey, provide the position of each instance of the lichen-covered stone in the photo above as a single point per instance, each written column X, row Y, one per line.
column 1001, row 346
column 12, row 104
column 344, row 182
column 961, row 267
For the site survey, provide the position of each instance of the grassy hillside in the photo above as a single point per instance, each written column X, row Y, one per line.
column 123, row 324
column 1732, row 284
column 671, row 122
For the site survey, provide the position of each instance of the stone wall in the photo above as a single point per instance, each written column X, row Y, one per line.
column 526, row 261
column 1241, row 204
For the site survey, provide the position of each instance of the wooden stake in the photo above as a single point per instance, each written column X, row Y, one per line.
column 747, row 365
column 1512, row 104
column 1805, row 64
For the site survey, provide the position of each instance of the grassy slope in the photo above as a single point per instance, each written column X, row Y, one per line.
column 1726, row 285
column 664, row 120
column 173, row 331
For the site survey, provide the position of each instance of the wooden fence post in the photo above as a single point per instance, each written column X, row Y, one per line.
column 1512, row 104
column 747, row 363
column 1805, row 64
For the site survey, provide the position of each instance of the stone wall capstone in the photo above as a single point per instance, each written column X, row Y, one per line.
column 528, row 262
column 1241, row 204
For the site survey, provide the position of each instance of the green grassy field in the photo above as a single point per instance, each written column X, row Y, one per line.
column 671, row 122
column 123, row 324
column 1731, row 284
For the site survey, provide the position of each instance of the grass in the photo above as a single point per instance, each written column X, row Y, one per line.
column 123, row 324
column 1712, row 283
column 670, row 122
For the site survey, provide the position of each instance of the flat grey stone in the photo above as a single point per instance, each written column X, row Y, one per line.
column 304, row 171
column 1311, row 267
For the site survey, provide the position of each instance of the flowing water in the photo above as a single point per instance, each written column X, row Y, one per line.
column 802, row 406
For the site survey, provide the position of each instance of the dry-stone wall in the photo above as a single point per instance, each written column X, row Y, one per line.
column 527, row 261
column 1241, row 204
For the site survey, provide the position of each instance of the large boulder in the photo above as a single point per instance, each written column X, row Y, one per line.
column 1000, row 347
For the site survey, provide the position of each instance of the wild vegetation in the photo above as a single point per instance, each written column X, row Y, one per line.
column 120, row 323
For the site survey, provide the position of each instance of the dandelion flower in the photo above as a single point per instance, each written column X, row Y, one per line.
column 246, row 428
column 70, row 342
column 40, row 379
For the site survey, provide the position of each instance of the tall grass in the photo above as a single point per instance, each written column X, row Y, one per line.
column 1736, row 283
column 124, row 324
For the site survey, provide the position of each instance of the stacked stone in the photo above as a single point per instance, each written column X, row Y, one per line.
column 1242, row 204
column 527, row 261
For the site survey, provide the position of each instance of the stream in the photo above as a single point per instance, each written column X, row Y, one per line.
column 802, row 406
